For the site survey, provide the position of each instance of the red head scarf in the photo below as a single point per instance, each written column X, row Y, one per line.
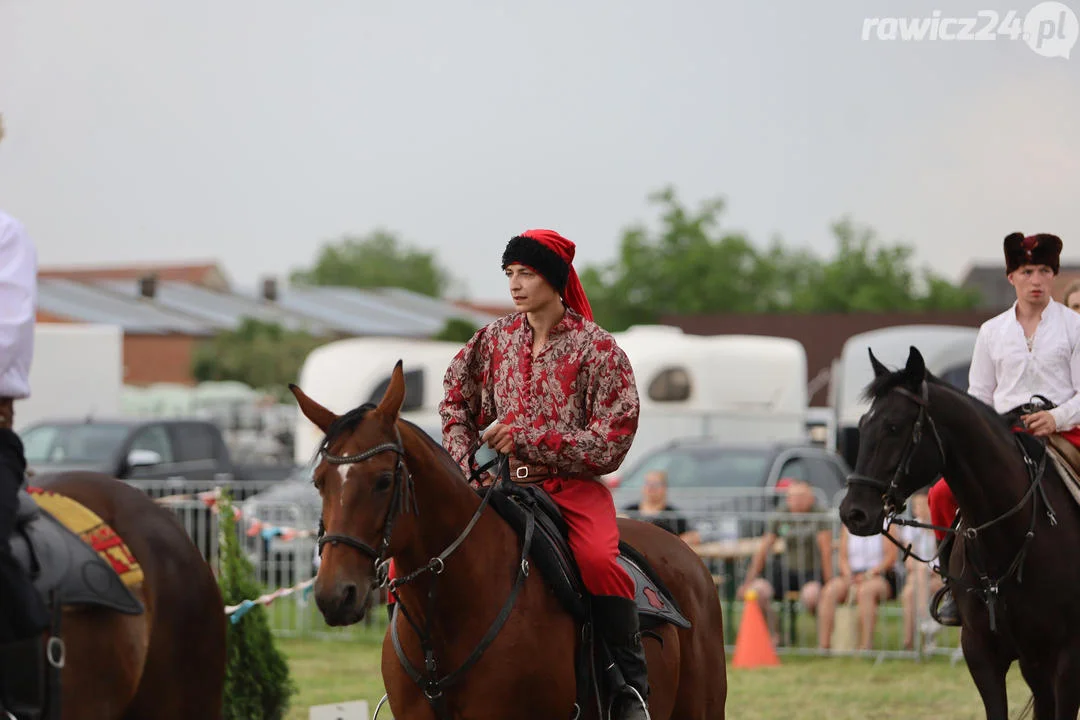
column 564, row 249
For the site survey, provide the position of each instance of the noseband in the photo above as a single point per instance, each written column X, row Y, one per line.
column 903, row 469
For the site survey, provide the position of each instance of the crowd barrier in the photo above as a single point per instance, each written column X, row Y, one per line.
column 281, row 543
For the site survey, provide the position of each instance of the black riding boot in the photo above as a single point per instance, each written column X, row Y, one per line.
column 942, row 604
column 616, row 621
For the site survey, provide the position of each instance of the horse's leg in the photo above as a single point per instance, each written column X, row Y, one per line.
column 1066, row 690
column 988, row 665
column 1041, row 681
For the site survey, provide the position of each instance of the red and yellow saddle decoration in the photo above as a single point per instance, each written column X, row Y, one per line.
column 94, row 532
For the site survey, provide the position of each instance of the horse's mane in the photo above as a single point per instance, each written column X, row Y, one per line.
column 348, row 422
column 883, row 384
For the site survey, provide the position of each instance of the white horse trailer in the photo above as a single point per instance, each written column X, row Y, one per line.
column 344, row 374
column 947, row 350
column 77, row 372
column 742, row 388
column 738, row 387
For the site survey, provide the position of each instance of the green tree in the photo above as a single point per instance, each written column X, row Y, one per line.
column 257, row 681
column 260, row 354
column 690, row 264
column 456, row 330
column 378, row 259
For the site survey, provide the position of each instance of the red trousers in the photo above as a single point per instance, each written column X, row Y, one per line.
column 943, row 505
column 589, row 511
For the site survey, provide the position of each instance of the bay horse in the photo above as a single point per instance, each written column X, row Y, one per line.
column 1016, row 587
column 164, row 663
column 467, row 606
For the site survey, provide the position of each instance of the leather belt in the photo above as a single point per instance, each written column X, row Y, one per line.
column 7, row 413
column 525, row 473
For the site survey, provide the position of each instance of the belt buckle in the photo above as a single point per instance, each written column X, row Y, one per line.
column 522, row 472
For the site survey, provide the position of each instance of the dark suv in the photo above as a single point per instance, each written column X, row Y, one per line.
column 712, row 482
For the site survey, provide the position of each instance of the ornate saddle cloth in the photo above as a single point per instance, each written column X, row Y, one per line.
column 67, row 550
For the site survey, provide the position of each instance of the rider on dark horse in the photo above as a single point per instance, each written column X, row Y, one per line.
column 24, row 617
column 558, row 396
column 1033, row 348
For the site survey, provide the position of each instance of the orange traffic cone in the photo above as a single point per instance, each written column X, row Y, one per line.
column 753, row 646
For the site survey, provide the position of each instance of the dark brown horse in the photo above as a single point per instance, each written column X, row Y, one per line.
column 393, row 492
column 1016, row 585
column 167, row 663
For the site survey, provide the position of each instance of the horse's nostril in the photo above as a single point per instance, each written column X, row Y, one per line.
column 348, row 597
column 856, row 516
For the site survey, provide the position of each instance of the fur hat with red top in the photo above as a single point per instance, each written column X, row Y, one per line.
column 1040, row 249
column 552, row 256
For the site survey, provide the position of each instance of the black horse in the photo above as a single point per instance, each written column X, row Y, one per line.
column 1012, row 568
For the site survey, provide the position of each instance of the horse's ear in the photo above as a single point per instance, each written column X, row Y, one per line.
column 916, row 366
column 390, row 405
column 312, row 410
column 879, row 369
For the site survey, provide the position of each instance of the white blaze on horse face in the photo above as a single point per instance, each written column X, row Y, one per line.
column 343, row 471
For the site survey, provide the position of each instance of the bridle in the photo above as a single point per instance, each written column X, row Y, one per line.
column 889, row 490
column 893, row 506
column 404, row 491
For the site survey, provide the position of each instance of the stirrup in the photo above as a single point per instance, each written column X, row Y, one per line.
column 935, row 607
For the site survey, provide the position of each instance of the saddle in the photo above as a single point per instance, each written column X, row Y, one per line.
column 65, row 570
column 1064, row 455
column 62, row 566
column 552, row 555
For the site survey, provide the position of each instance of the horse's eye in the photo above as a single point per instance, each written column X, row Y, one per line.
column 893, row 429
column 384, row 482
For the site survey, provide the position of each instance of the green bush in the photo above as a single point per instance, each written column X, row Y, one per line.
column 257, row 681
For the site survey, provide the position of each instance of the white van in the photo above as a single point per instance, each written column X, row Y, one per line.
column 947, row 350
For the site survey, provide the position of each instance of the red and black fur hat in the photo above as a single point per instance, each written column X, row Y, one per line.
column 1040, row 249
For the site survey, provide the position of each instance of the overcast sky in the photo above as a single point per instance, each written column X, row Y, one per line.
column 249, row 132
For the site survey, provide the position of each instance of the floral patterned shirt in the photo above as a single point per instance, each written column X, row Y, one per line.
column 574, row 408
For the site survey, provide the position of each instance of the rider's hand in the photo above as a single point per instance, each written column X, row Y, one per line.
column 1040, row 424
column 498, row 438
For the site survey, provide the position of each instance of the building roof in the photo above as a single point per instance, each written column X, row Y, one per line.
column 998, row 294
column 83, row 302
column 221, row 310
column 208, row 274
column 359, row 312
column 442, row 309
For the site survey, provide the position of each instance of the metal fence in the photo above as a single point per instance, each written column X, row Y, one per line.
column 799, row 607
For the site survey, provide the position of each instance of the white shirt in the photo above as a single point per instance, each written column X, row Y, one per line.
column 18, row 307
column 1005, row 374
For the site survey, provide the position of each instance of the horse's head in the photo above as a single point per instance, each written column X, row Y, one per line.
column 900, row 450
column 365, row 487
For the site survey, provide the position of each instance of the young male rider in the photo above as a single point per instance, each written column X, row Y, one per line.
column 1033, row 348
column 558, row 395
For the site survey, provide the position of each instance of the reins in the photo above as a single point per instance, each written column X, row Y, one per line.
column 428, row 679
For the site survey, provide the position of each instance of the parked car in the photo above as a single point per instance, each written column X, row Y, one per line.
column 725, row 488
column 140, row 449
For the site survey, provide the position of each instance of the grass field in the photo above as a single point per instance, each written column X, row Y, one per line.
column 802, row 687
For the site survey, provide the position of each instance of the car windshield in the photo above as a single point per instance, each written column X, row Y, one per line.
column 73, row 444
column 705, row 467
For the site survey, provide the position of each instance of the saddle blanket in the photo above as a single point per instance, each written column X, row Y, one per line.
column 94, row 531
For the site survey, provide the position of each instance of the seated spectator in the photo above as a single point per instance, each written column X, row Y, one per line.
column 807, row 558
column 869, row 565
column 920, row 580
column 654, row 506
